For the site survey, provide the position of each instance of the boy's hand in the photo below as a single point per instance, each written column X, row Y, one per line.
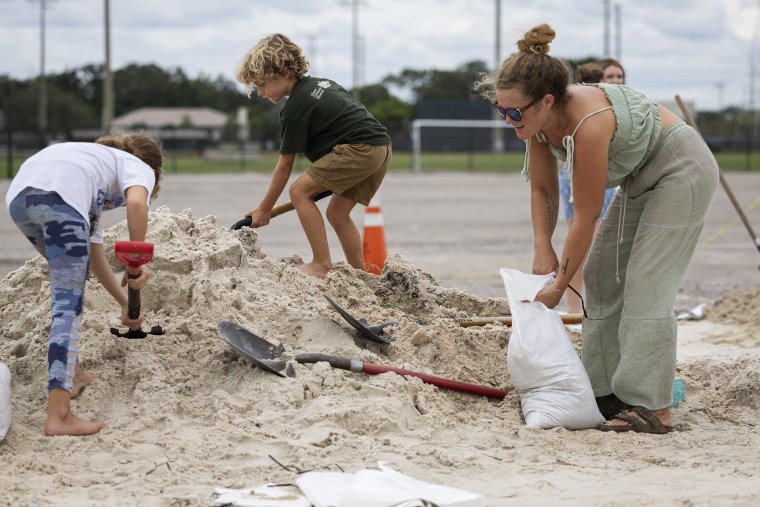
column 259, row 217
column 132, row 324
column 136, row 283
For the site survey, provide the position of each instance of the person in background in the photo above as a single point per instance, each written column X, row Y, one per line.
column 56, row 200
column 612, row 71
column 611, row 135
column 589, row 73
column 349, row 150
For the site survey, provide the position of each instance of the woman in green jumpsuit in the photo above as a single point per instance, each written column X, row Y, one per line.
column 611, row 135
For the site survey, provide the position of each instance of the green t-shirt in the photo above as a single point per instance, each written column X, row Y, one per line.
column 320, row 114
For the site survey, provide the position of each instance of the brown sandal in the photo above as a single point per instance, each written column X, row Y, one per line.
column 649, row 423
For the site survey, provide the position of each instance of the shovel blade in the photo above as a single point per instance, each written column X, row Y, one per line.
column 364, row 331
column 259, row 351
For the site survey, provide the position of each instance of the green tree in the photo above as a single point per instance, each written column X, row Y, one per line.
column 434, row 84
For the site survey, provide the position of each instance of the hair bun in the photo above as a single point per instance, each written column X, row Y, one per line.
column 537, row 40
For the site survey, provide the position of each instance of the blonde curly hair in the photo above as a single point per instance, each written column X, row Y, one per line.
column 530, row 69
column 146, row 147
column 274, row 55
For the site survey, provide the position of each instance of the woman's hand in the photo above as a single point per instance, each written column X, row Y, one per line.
column 545, row 261
column 136, row 283
column 132, row 324
column 550, row 296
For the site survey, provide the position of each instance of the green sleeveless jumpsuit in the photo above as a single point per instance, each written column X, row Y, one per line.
column 642, row 249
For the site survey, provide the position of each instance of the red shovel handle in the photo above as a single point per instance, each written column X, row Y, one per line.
column 376, row 369
column 133, row 254
column 454, row 385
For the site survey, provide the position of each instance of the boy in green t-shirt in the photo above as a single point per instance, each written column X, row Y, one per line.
column 349, row 149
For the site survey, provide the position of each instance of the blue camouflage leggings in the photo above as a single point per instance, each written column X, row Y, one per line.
column 61, row 235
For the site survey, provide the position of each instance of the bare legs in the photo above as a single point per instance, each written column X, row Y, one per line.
column 81, row 380
column 60, row 420
column 338, row 214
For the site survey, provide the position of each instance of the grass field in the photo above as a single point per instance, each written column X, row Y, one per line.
column 402, row 161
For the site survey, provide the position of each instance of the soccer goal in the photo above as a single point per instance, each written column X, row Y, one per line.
column 419, row 123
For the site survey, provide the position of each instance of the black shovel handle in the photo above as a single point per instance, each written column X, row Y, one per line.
column 278, row 210
column 133, row 299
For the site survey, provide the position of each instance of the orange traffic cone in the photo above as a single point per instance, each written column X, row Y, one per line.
column 373, row 243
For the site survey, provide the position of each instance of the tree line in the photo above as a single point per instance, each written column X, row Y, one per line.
column 75, row 97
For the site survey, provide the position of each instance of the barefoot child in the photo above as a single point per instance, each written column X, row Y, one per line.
column 56, row 200
column 349, row 149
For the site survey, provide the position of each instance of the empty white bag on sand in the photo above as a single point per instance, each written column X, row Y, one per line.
column 380, row 488
column 5, row 400
column 542, row 362
column 267, row 495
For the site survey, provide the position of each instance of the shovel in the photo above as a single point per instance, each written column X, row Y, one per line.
column 570, row 318
column 278, row 210
column 373, row 333
column 268, row 357
column 134, row 254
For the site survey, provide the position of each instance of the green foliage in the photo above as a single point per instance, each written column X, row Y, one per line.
column 439, row 84
column 393, row 113
column 75, row 99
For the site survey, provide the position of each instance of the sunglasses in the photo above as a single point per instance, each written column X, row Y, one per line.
column 514, row 113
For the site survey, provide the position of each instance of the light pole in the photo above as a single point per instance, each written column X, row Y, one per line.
column 356, row 45
column 618, row 32
column 108, row 100
column 496, row 133
column 42, row 118
column 606, row 49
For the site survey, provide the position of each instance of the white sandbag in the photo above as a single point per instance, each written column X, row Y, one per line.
column 5, row 400
column 324, row 489
column 380, row 488
column 267, row 495
column 543, row 365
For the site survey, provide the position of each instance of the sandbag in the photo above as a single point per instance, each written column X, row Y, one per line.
column 380, row 488
column 5, row 400
column 543, row 365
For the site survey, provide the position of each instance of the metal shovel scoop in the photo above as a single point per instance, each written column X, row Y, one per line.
column 374, row 333
column 258, row 350
column 267, row 356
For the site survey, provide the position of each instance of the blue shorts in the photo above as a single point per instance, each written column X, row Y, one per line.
column 565, row 189
column 61, row 235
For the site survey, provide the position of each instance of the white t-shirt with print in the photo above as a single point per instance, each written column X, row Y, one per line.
column 89, row 177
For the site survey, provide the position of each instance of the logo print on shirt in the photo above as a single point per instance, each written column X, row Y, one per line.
column 318, row 92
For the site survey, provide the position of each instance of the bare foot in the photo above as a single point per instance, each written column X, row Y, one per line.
column 81, row 380
column 313, row 269
column 71, row 425
column 60, row 420
column 662, row 414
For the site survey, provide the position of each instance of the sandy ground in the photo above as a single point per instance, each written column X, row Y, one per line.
column 186, row 414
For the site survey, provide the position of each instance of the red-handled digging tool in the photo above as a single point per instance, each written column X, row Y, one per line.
column 268, row 357
column 134, row 254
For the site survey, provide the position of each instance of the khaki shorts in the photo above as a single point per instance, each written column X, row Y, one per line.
column 353, row 170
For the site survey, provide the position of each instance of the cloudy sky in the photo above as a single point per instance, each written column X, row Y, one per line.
column 700, row 49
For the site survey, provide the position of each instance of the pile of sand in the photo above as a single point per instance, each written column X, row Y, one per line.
column 186, row 414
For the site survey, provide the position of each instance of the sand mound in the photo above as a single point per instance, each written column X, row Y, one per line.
column 737, row 308
column 187, row 414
